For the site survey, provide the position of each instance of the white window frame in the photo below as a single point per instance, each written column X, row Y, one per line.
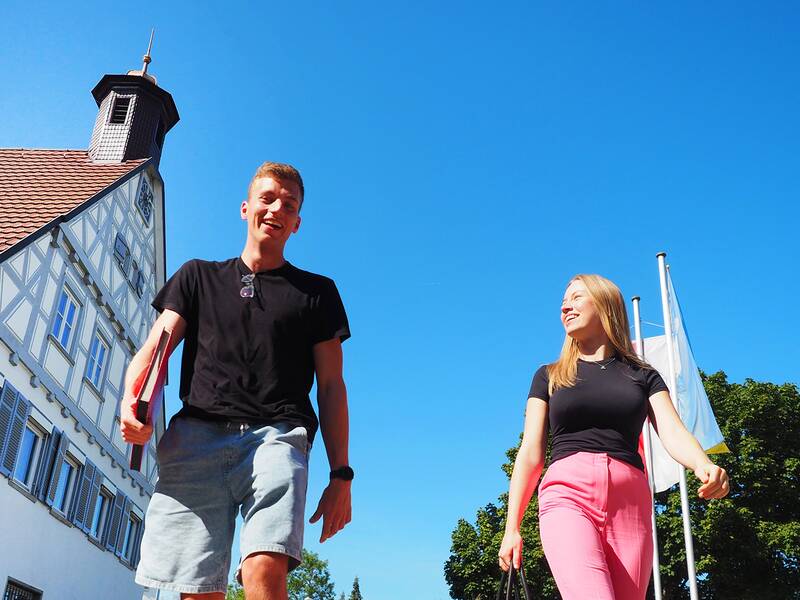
column 132, row 529
column 61, row 324
column 117, row 98
column 41, row 438
column 101, row 518
column 95, row 372
column 63, row 506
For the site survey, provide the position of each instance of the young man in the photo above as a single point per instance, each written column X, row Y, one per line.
column 256, row 331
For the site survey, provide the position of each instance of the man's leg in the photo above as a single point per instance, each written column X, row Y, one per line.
column 190, row 522
column 211, row 596
column 264, row 576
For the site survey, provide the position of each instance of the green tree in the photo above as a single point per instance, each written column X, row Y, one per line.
column 355, row 594
column 235, row 592
column 311, row 579
column 747, row 545
column 472, row 571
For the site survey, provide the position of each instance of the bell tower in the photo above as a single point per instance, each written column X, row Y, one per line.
column 133, row 118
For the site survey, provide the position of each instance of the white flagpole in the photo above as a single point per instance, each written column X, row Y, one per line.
column 687, row 526
column 648, row 452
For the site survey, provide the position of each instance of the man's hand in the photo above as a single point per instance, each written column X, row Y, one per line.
column 334, row 508
column 133, row 432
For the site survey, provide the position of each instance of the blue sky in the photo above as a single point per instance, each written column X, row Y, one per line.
column 461, row 162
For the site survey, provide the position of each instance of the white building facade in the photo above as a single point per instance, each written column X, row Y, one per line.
column 82, row 253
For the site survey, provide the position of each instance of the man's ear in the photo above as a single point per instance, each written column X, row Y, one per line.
column 296, row 224
column 243, row 210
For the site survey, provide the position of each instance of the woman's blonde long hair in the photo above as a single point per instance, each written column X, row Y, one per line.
column 610, row 305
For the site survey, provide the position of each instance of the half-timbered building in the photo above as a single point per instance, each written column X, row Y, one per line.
column 82, row 253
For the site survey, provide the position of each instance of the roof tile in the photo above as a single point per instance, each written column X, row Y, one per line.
column 37, row 186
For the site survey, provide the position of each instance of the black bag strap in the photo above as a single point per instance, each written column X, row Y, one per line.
column 510, row 585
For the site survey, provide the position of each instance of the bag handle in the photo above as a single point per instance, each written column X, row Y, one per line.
column 509, row 588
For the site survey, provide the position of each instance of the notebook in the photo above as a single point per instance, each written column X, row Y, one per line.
column 148, row 390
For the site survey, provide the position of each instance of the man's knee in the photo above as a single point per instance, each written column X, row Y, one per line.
column 265, row 568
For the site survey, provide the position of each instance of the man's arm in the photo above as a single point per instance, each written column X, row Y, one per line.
column 132, row 430
column 334, row 506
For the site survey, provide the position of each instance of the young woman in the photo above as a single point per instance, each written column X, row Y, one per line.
column 594, row 501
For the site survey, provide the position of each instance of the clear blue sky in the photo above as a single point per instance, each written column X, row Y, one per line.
column 461, row 163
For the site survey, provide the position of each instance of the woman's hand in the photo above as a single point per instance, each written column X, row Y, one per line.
column 714, row 479
column 511, row 550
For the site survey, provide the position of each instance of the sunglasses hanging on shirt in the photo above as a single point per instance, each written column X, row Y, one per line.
column 248, row 290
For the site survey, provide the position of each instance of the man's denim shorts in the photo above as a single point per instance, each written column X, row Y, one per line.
column 207, row 471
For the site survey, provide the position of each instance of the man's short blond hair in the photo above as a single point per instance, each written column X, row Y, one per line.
column 278, row 171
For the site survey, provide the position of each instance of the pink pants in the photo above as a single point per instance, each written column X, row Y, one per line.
column 594, row 518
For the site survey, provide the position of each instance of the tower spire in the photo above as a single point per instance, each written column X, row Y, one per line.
column 146, row 60
column 146, row 57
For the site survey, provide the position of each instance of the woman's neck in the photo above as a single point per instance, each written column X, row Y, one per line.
column 598, row 348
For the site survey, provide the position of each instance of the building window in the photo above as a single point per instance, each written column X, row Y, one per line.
column 119, row 110
column 145, row 202
column 65, row 318
column 122, row 253
column 101, row 507
column 97, row 360
column 66, row 485
column 28, row 456
column 131, row 535
column 19, row 591
column 137, row 279
column 138, row 284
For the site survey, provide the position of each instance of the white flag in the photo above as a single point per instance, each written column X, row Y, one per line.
column 690, row 397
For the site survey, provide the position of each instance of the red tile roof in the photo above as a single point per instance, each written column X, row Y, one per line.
column 36, row 186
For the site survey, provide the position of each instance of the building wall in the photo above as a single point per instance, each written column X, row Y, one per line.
column 56, row 391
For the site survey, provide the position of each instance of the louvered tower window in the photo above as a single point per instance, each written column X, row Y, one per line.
column 119, row 110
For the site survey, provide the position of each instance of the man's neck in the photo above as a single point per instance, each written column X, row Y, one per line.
column 258, row 258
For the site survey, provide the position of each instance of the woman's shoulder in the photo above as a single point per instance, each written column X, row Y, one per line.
column 641, row 371
column 542, row 373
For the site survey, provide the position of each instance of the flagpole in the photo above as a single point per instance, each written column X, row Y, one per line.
column 687, row 526
column 648, row 451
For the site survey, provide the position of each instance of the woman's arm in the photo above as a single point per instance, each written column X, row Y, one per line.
column 684, row 447
column 527, row 468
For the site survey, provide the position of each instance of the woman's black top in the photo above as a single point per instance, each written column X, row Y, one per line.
column 603, row 412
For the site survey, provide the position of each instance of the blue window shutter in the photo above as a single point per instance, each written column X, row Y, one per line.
column 84, row 489
column 55, row 470
column 94, row 491
column 114, row 519
column 123, row 525
column 14, row 438
column 45, row 464
column 8, row 403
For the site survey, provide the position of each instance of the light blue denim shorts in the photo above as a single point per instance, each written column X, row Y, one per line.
column 207, row 472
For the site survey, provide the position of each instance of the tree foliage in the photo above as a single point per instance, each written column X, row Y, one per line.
column 747, row 545
column 311, row 579
column 355, row 594
column 235, row 592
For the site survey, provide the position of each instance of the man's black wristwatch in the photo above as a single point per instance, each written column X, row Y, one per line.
column 345, row 473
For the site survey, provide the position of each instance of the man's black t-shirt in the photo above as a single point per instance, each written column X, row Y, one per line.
column 603, row 412
column 251, row 359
